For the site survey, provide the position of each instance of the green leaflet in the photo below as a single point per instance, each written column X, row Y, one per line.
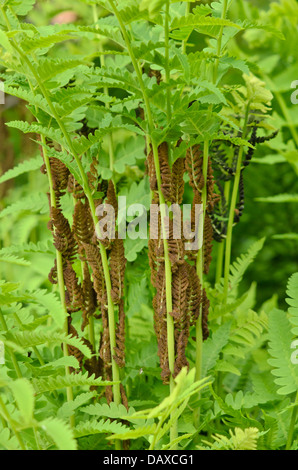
column 35, row 202
column 239, row 267
column 24, row 396
column 280, row 339
column 60, row 433
column 28, row 339
column 98, row 427
column 75, row 380
column 24, row 167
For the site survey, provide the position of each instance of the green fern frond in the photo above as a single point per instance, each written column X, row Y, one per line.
column 47, row 68
column 99, row 427
column 20, row 7
column 34, row 202
column 194, row 21
column 141, row 431
column 44, row 42
column 60, row 433
column 280, row 339
column 53, row 134
column 241, row 439
column 241, row 264
column 13, row 259
column 108, row 411
column 29, row 339
column 213, row 347
column 29, row 97
column 74, row 380
column 24, row 167
column 292, row 300
column 68, row 408
column 44, row 247
column 51, row 303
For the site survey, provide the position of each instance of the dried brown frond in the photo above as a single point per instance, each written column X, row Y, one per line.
column 64, row 240
column 94, row 259
column 180, row 283
column 181, row 344
column 72, row 350
column 178, row 181
column 117, row 270
column 151, row 171
column 89, row 297
column 205, row 312
column 75, row 188
column 207, row 243
column 194, row 167
column 155, row 73
column 119, row 351
column 107, row 222
column 83, row 226
column 165, row 171
column 74, row 292
column 194, row 295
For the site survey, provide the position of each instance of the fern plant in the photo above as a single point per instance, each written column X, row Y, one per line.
column 125, row 340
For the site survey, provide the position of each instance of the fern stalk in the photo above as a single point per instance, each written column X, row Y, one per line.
column 69, row 391
column 232, row 209
column 10, row 352
column 103, row 253
column 292, row 424
column 6, row 415
column 168, row 268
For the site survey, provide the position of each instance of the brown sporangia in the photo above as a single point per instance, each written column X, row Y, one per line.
column 94, row 260
column 205, row 312
column 89, row 297
column 207, row 243
column 165, row 171
column 117, row 270
column 178, row 181
column 75, row 188
column 83, row 225
column 74, row 291
column 119, row 351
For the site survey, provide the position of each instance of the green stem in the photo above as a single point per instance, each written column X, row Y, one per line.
column 200, row 272
column 106, row 91
column 184, row 42
column 232, row 210
column 168, row 268
column 10, row 352
column 115, row 368
column 221, row 248
column 167, row 68
column 292, row 424
column 219, row 41
column 6, row 415
column 200, row 257
column 60, row 275
column 69, row 390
